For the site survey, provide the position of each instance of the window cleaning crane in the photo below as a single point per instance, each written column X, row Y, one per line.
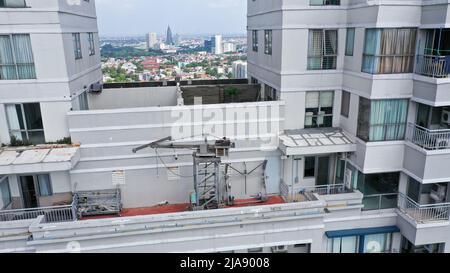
column 209, row 189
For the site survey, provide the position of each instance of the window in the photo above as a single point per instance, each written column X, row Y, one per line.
column 325, row 2
column 91, row 44
column 366, row 243
column 44, row 185
column 271, row 93
column 268, row 42
column 350, row 42
column 310, row 167
column 389, row 51
column 344, row 244
column 12, row 4
column 319, row 109
column 83, row 102
column 382, row 120
column 16, row 57
column 345, row 104
column 255, row 250
column 77, row 45
column 255, row 40
column 322, row 49
column 25, row 123
column 5, row 193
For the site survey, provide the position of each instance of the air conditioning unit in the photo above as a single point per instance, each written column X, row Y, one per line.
column 446, row 117
column 438, row 193
column 96, row 88
column 279, row 249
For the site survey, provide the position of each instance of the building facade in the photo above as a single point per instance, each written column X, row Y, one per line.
column 152, row 40
column 339, row 137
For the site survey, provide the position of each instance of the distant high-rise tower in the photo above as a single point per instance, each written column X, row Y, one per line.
column 216, row 43
column 152, row 40
column 169, row 38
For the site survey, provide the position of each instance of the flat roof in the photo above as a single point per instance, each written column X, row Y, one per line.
column 49, row 158
column 316, row 141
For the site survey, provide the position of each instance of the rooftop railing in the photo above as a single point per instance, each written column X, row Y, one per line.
column 54, row 214
column 423, row 213
column 327, row 189
column 433, row 66
column 428, row 139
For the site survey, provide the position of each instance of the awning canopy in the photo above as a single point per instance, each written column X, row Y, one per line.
column 316, row 141
column 38, row 159
column 361, row 231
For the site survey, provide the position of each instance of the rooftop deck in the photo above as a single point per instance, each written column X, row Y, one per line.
column 175, row 208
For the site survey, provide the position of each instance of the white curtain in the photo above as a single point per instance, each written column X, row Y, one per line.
column 24, row 56
column 45, row 186
column 7, row 68
column 13, row 121
column 377, row 243
column 315, row 49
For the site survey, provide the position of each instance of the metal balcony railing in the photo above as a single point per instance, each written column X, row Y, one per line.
column 51, row 214
column 433, row 66
column 428, row 139
column 327, row 189
column 423, row 213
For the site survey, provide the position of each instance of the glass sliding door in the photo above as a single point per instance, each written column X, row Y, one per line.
column 323, row 171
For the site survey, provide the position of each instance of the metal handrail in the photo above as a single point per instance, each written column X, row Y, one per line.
column 326, row 189
column 428, row 139
column 52, row 214
column 433, row 66
column 423, row 213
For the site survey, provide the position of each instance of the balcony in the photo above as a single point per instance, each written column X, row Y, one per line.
column 423, row 214
column 433, row 66
column 54, row 214
column 428, row 139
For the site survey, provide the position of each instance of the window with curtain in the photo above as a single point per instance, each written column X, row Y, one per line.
column 255, row 40
column 91, row 44
column 344, row 245
column 44, row 185
column 389, row 50
column 77, row 46
column 345, row 104
column 377, row 243
column 319, row 109
column 25, row 123
column 268, row 42
column 12, row 4
column 5, row 193
column 16, row 57
column 322, row 49
column 350, row 42
column 382, row 120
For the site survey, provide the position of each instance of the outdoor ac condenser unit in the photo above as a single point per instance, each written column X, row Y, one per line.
column 279, row 249
column 96, row 88
column 446, row 117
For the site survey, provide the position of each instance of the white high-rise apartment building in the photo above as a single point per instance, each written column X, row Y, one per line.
column 239, row 69
column 340, row 142
column 229, row 47
column 152, row 40
column 216, row 44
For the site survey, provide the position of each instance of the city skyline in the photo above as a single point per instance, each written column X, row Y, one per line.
column 201, row 17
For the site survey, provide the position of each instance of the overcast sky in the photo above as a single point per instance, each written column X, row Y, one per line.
column 137, row 17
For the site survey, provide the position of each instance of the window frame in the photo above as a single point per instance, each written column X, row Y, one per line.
column 16, row 65
column 326, row 3
column 350, row 44
column 323, row 56
column 4, row 4
column 91, row 41
column 268, row 38
column 255, row 45
column 345, row 106
column 319, row 108
column 4, row 180
column 25, row 123
column 76, row 38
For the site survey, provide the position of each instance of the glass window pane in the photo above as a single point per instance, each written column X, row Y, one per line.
column 5, row 193
column 45, row 186
column 377, row 243
column 310, row 167
column 349, row 245
column 345, row 104
column 33, row 116
column 312, row 99
column 350, row 42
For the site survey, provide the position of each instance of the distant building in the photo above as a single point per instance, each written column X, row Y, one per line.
column 208, row 45
column 152, row 40
column 169, row 38
column 176, row 39
column 229, row 47
column 216, row 43
column 239, row 69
